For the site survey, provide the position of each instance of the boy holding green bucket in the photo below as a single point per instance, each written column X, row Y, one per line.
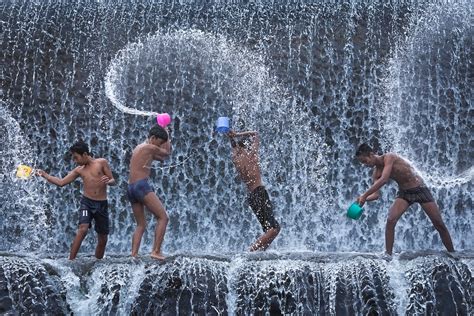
column 411, row 190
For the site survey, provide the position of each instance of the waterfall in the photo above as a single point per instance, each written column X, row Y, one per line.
column 303, row 284
column 314, row 78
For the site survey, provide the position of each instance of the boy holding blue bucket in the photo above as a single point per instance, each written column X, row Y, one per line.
column 96, row 176
column 246, row 161
column 411, row 190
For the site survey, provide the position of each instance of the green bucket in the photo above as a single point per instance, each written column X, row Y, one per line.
column 354, row 211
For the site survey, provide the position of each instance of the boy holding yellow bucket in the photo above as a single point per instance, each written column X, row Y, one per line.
column 96, row 175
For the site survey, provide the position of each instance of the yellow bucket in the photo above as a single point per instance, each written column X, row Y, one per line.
column 23, row 172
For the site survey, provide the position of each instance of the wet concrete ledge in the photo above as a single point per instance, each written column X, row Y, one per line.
column 209, row 284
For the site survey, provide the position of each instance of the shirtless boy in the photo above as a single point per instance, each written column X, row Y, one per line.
column 246, row 161
column 96, row 175
column 411, row 190
column 140, row 193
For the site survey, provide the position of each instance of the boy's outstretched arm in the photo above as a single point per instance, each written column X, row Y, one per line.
column 57, row 181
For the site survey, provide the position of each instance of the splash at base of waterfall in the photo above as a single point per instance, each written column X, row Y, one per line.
column 295, row 283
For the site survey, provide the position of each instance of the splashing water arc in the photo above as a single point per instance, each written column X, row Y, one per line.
column 237, row 82
column 232, row 75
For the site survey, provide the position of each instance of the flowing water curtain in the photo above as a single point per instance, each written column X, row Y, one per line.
column 301, row 48
column 197, row 77
column 428, row 104
column 23, row 206
column 324, row 63
column 326, row 58
column 427, row 109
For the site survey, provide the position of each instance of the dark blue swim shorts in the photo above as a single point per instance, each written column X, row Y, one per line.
column 137, row 190
column 97, row 211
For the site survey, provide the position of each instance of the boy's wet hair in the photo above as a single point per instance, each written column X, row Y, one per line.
column 80, row 148
column 158, row 132
column 364, row 150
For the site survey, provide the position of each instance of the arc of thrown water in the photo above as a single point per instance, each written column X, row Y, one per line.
column 112, row 77
column 223, row 50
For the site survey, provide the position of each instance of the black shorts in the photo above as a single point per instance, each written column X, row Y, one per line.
column 97, row 211
column 419, row 194
column 261, row 205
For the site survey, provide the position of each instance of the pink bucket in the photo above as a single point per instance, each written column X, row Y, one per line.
column 163, row 119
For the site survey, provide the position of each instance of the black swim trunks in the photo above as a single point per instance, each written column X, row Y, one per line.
column 261, row 205
column 419, row 194
column 97, row 211
column 137, row 190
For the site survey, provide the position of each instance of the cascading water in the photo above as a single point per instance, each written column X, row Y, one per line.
column 24, row 211
column 315, row 79
column 427, row 112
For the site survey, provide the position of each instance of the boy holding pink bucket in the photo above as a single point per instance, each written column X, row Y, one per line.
column 140, row 193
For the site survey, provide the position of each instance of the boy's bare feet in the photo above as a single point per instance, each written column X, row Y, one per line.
column 257, row 246
column 385, row 256
column 452, row 254
column 158, row 256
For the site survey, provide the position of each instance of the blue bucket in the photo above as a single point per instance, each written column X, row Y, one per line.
column 354, row 211
column 222, row 124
